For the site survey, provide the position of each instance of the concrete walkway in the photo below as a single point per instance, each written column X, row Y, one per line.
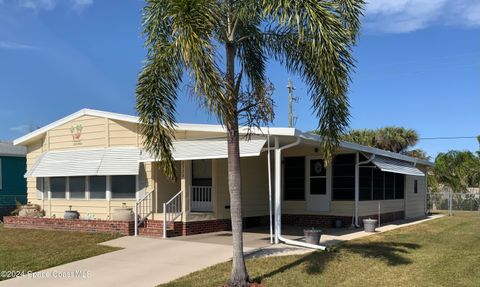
column 144, row 262
column 149, row 262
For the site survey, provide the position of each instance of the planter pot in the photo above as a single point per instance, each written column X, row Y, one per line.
column 28, row 211
column 71, row 214
column 338, row 223
column 312, row 236
column 369, row 225
column 123, row 214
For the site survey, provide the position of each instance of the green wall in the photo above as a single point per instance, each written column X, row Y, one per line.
column 14, row 185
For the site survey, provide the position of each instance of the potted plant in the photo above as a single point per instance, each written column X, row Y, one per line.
column 71, row 214
column 28, row 210
column 369, row 224
column 312, row 235
column 123, row 213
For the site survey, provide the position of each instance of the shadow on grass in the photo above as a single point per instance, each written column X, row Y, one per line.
column 392, row 253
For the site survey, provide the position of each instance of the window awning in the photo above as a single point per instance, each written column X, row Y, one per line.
column 87, row 162
column 396, row 166
column 212, row 148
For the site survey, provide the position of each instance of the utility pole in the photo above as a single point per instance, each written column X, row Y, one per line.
column 291, row 99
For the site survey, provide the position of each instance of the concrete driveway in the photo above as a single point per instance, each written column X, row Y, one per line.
column 144, row 262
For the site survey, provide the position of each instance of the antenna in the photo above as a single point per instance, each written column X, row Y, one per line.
column 291, row 119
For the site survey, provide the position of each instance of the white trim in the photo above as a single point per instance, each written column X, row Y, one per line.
column 108, row 189
column 279, row 131
column 67, row 188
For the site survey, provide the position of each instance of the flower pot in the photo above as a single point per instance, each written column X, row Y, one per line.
column 369, row 225
column 123, row 214
column 312, row 236
column 71, row 214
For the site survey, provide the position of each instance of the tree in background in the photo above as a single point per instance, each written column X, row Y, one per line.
column 457, row 170
column 223, row 48
column 391, row 138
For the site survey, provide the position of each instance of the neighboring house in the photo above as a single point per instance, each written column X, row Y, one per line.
column 13, row 186
column 93, row 161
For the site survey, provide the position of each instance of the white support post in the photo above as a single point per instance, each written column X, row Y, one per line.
column 278, row 193
column 357, row 186
column 108, row 195
column 67, row 188
column 136, row 219
column 164, row 220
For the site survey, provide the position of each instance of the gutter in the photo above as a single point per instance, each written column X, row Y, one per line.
column 357, row 184
column 278, row 208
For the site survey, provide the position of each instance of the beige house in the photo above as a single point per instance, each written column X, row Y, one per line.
column 93, row 162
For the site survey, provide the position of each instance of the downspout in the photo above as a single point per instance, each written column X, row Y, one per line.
column 357, row 184
column 278, row 208
column 269, row 164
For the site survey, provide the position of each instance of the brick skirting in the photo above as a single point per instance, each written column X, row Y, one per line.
column 155, row 227
column 103, row 226
column 328, row 221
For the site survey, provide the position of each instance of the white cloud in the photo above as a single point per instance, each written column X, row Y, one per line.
column 49, row 5
column 401, row 16
column 38, row 4
column 79, row 5
column 21, row 129
column 15, row 46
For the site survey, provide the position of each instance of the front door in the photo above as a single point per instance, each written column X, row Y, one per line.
column 317, row 185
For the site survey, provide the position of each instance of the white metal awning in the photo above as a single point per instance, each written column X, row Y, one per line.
column 87, row 162
column 212, row 148
column 396, row 166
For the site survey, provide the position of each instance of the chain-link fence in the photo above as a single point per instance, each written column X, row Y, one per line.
column 451, row 202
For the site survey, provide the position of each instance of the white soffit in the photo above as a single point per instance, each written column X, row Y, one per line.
column 396, row 166
column 87, row 162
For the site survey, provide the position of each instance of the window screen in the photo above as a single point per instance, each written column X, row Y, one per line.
column 366, row 183
column 58, row 187
column 98, row 187
column 77, row 187
column 377, row 184
column 343, row 185
column 294, row 178
column 389, row 185
column 399, row 186
column 123, row 186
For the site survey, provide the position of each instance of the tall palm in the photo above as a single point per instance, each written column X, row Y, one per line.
column 396, row 139
column 222, row 48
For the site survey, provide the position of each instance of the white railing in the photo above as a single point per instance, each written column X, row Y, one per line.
column 172, row 209
column 143, row 209
column 202, row 198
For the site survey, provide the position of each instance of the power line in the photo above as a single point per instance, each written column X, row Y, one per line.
column 448, row 138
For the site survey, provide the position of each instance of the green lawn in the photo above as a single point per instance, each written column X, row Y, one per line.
column 442, row 252
column 33, row 250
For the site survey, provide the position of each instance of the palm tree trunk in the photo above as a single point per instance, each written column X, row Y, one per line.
column 239, row 276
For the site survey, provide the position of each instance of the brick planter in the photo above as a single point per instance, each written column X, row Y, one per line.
column 102, row 226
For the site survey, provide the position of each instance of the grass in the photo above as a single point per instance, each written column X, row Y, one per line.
column 33, row 250
column 442, row 252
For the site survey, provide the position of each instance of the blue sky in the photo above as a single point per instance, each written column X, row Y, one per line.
column 418, row 66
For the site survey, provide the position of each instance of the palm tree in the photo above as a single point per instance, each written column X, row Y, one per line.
column 396, row 139
column 222, row 48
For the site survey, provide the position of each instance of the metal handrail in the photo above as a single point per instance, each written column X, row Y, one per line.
column 143, row 209
column 172, row 209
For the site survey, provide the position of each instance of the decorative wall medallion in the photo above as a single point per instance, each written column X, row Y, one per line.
column 76, row 132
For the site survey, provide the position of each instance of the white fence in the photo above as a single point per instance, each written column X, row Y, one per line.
column 451, row 202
